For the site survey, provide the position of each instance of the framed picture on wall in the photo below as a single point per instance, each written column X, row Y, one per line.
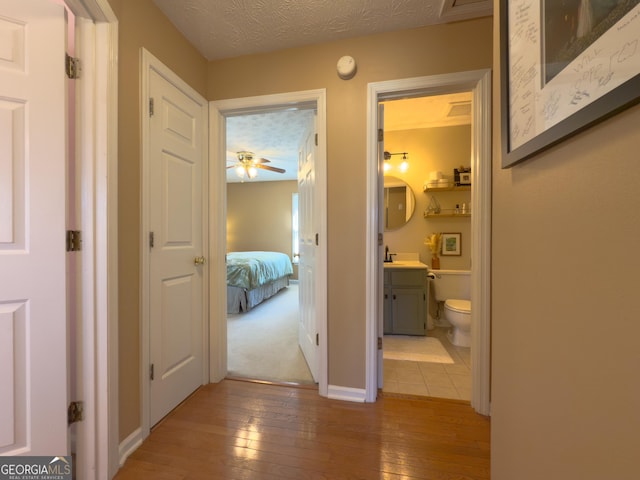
column 564, row 66
column 451, row 244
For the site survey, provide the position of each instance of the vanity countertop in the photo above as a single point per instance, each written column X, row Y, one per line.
column 406, row 260
column 414, row 264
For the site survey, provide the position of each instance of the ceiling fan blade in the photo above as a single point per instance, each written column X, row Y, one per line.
column 272, row 169
column 261, row 160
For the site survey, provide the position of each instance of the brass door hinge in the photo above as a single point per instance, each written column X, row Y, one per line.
column 74, row 240
column 72, row 67
column 75, row 412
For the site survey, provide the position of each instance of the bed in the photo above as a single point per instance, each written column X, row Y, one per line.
column 252, row 277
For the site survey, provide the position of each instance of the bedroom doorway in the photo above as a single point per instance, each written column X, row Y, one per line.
column 246, row 341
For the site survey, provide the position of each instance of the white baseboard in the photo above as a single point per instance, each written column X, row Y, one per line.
column 129, row 445
column 347, row 393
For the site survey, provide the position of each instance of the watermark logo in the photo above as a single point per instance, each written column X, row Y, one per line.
column 35, row 468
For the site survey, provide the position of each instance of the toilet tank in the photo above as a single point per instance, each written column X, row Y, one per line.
column 451, row 284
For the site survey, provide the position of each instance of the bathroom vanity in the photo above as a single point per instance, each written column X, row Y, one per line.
column 405, row 298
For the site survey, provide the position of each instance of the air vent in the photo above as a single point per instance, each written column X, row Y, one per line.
column 459, row 109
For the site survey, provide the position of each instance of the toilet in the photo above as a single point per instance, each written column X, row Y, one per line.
column 453, row 287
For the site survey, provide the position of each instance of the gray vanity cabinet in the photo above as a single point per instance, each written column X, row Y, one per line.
column 405, row 301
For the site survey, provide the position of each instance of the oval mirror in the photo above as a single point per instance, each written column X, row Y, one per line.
column 399, row 203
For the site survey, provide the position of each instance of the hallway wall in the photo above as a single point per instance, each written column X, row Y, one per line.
column 565, row 307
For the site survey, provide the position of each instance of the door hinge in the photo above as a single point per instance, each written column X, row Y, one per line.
column 72, row 67
column 74, row 240
column 379, row 343
column 152, row 107
column 151, row 239
column 380, row 239
column 316, row 139
column 380, row 135
column 317, row 339
column 151, row 372
column 317, row 239
column 75, row 412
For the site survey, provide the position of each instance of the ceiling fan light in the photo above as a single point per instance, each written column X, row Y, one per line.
column 240, row 171
column 252, row 172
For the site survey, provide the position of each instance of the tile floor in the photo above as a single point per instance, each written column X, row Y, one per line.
column 432, row 379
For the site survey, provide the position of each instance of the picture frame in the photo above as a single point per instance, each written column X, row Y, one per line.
column 558, row 79
column 451, row 244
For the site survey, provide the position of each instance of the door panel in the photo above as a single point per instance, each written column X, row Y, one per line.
column 33, row 329
column 177, row 153
column 308, row 230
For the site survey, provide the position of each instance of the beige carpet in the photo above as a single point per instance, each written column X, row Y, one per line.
column 262, row 344
column 414, row 348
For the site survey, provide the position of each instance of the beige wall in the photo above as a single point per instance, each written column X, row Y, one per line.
column 259, row 216
column 141, row 24
column 411, row 53
column 565, row 310
column 431, row 149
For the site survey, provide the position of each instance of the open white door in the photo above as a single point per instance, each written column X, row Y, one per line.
column 33, row 330
column 379, row 264
column 177, row 157
column 308, row 231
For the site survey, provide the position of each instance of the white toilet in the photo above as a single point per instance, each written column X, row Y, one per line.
column 453, row 287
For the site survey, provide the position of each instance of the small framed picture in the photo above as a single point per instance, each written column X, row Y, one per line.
column 465, row 178
column 451, row 244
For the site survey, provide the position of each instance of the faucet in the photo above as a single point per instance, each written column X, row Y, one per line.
column 388, row 257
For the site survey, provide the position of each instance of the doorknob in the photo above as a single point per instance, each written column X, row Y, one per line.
column 199, row 261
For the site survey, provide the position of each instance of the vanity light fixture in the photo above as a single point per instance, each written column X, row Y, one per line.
column 404, row 165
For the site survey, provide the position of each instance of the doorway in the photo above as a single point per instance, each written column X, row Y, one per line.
column 220, row 111
column 479, row 83
column 263, row 319
column 423, row 137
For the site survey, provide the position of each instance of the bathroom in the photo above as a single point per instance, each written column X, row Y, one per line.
column 426, row 139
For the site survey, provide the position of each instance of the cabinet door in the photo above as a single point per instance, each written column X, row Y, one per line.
column 387, row 312
column 408, row 308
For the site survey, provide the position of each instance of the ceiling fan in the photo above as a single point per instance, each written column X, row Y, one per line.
column 248, row 165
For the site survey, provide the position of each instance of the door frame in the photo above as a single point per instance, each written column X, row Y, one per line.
column 97, row 162
column 149, row 62
column 218, row 112
column 479, row 83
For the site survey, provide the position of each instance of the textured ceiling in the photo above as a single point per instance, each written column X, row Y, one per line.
column 277, row 135
column 230, row 28
column 272, row 135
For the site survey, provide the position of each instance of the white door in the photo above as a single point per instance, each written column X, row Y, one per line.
column 177, row 152
column 381, row 245
column 33, row 330
column 308, row 232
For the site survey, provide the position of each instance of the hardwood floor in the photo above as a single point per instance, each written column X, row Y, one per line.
column 242, row 430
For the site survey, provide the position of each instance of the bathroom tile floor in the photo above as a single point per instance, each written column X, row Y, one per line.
column 441, row 380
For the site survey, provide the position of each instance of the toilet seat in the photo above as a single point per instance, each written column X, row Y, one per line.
column 460, row 306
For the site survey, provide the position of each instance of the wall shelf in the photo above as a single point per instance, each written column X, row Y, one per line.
column 446, row 214
column 453, row 188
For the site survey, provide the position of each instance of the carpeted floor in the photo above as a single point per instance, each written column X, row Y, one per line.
column 415, row 349
column 262, row 344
